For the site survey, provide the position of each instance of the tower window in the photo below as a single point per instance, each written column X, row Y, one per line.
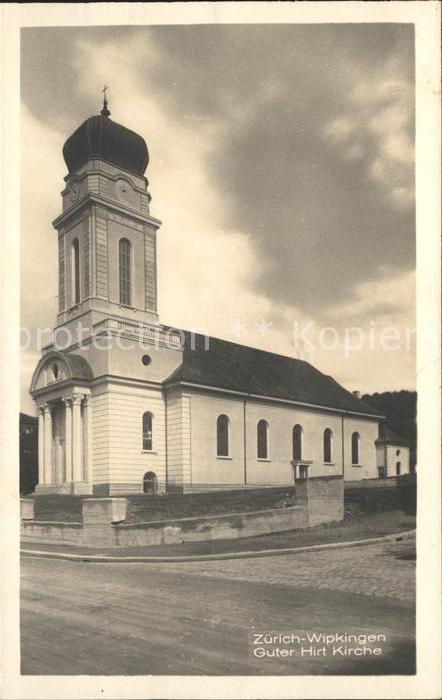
column 355, row 448
column 297, row 443
column 263, row 439
column 125, row 271
column 328, row 446
column 398, row 468
column 147, row 431
column 75, row 260
column 222, row 436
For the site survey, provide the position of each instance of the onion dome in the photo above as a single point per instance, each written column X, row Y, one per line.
column 100, row 137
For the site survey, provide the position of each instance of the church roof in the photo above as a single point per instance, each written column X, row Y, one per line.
column 100, row 137
column 388, row 436
column 234, row 367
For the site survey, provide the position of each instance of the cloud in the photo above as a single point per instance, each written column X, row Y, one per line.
column 389, row 301
column 41, row 182
column 380, row 128
column 279, row 166
column 313, row 147
column 205, row 271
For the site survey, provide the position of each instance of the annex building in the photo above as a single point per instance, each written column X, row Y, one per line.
column 127, row 405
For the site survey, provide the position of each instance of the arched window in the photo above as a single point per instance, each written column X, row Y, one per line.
column 398, row 468
column 297, row 442
column 355, row 448
column 147, row 431
column 150, row 483
column 328, row 446
column 263, row 439
column 125, row 271
column 75, row 271
column 222, row 436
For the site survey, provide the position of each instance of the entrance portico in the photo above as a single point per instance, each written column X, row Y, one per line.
column 64, row 426
column 64, row 445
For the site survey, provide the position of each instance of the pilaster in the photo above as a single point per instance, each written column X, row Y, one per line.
column 77, row 460
column 87, row 439
column 47, row 443
column 68, row 438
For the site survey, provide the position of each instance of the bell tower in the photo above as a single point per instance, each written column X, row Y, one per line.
column 104, row 369
column 106, row 235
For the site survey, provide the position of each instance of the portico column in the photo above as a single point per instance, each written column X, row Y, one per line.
column 87, row 446
column 68, row 438
column 77, row 461
column 47, row 444
column 41, row 445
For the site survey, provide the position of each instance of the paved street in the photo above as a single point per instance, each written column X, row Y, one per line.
column 199, row 617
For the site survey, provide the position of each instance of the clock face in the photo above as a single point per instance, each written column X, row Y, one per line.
column 124, row 190
column 74, row 192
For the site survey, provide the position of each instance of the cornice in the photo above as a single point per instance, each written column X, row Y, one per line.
column 272, row 399
column 92, row 198
column 123, row 175
column 71, row 176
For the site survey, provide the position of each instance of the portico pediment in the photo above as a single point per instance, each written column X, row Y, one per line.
column 58, row 369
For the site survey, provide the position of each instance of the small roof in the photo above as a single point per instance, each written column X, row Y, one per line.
column 234, row 367
column 389, row 437
column 79, row 366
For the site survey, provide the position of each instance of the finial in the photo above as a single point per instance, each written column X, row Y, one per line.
column 105, row 112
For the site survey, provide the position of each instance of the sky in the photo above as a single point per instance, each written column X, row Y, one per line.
column 281, row 166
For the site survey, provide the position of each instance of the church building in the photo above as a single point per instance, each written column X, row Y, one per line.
column 127, row 405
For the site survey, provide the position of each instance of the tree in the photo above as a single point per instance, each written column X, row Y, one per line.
column 399, row 408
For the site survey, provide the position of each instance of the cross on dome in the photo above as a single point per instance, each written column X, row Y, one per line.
column 105, row 112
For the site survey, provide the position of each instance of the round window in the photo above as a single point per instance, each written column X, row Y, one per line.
column 146, row 360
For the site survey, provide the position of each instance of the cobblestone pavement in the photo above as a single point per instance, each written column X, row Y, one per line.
column 199, row 617
column 385, row 569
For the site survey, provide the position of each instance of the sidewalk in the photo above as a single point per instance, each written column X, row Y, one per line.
column 364, row 530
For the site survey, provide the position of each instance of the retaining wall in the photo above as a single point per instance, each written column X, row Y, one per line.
column 319, row 500
column 372, row 495
column 216, row 527
column 51, row 532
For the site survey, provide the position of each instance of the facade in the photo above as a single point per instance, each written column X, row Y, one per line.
column 127, row 405
column 393, row 454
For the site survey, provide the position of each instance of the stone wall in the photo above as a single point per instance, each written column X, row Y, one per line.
column 324, row 498
column 318, row 500
column 373, row 495
column 217, row 527
column 51, row 532
column 172, row 506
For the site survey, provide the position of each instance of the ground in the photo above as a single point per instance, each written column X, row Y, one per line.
column 199, row 617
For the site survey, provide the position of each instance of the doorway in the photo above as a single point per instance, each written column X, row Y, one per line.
column 150, row 483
